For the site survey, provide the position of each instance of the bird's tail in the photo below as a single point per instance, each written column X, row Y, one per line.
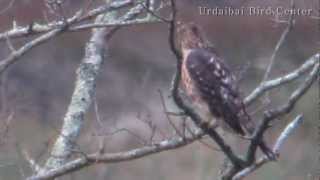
column 246, row 122
column 249, row 126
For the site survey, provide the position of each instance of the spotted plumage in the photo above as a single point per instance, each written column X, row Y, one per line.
column 210, row 84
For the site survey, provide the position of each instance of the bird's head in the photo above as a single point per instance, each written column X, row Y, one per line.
column 190, row 36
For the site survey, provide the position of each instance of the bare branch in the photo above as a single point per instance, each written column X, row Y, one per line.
column 2, row 11
column 83, row 94
column 43, row 28
column 268, row 85
column 287, row 132
column 272, row 114
column 33, row 164
column 4, row 131
column 280, row 42
column 168, row 144
column 165, row 110
column 37, row 28
column 296, row 95
column 112, row 24
column 280, row 141
column 151, row 12
column 18, row 31
column 84, row 91
column 116, row 131
column 15, row 55
column 77, row 164
column 96, row 112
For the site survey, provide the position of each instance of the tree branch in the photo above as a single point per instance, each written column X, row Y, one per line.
column 84, row 91
column 96, row 158
column 271, row 84
column 272, row 114
column 60, row 27
column 280, row 42
column 82, row 97
column 276, row 148
column 165, row 145
column 35, row 28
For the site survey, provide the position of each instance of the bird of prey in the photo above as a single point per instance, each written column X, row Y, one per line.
column 211, row 85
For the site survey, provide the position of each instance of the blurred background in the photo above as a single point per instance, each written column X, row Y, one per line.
column 37, row 90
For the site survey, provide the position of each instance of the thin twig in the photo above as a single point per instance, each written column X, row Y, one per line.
column 33, row 164
column 114, row 132
column 2, row 11
column 150, row 11
column 15, row 55
column 268, row 85
column 80, row 163
column 37, row 28
column 165, row 110
column 272, row 114
column 83, row 92
column 280, row 141
column 280, row 42
column 211, row 147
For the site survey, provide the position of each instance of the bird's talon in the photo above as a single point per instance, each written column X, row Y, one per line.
column 272, row 156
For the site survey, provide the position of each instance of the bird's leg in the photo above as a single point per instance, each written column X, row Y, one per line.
column 267, row 151
column 212, row 123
